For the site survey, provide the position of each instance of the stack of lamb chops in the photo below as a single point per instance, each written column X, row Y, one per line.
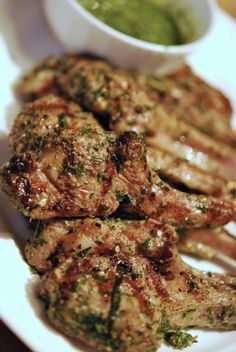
column 106, row 238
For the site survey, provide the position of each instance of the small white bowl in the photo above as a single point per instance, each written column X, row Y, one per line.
column 79, row 31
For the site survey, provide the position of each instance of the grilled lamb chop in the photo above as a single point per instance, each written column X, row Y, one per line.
column 99, row 301
column 130, row 303
column 56, row 240
column 119, row 94
column 186, row 96
column 37, row 120
column 180, row 94
column 207, row 296
column 199, row 90
column 41, row 79
column 200, row 242
column 96, row 84
column 91, row 172
column 114, row 296
column 110, row 92
column 70, row 174
column 182, row 139
column 181, row 173
column 128, row 105
column 132, row 104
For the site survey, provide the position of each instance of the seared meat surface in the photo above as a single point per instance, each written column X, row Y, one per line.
column 199, row 299
column 113, row 93
column 109, row 301
column 42, row 117
column 180, row 209
column 37, row 120
column 120, row 284
column 41, row 79
column 71, row 174
column 130, row 105
column 199, row 242
column 94, row 83
column 56, row 240
column 90, row 173
column 138, row 102
column 181, row 173
column 188, row 143
column 61, row 239
column 101, row 300
column 186, row 96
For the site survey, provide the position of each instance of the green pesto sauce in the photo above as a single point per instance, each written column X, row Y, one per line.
column 154, row 21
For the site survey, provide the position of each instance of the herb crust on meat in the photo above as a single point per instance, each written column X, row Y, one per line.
column 113, row 207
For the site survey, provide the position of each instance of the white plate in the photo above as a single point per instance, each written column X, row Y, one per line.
column 25, row 39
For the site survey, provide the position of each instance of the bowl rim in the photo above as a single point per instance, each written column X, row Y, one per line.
column 141, row 44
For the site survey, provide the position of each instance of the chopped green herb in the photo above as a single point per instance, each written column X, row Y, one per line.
column 78, row 170
column 39, row 228
column 202, row 207
column 156, row 84
column 87, row 131
column 83, row 252
column 96, row 160
column 62, row 121
column 38, row 143
column 210, row 316
column 33, row 270
column 115, row 302
column 92, row 324
column 37, row 240
column 143, row 190
column 180, row 339
column 147, row 244
column 79, row 80
column 182, row 232
column 189, row 222
column 188, row 312
column 193, row 286
column 99, row 176
column 53, row 257
column 124, row 198
column 164, row 326
column 207, row 130
column 163, row 186
column 210, row 319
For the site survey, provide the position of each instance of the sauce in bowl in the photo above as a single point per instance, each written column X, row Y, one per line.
column 154, row 21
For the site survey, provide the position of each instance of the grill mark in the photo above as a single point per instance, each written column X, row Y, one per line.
column 105, row 287
column 109, row 173
column 107, row 250
column 22, row 189
column 141, row 297
column 71, row 274
column 155, row 278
